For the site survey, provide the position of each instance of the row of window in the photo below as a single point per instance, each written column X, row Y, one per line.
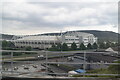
column 35, row 42
column 78, row 39
column 72, row 39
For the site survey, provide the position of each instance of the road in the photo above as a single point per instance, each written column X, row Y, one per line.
column 52, row 54
column 56, row 57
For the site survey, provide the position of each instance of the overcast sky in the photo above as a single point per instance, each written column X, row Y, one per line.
column 23, row 17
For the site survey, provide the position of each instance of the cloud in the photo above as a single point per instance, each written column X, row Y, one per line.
column 101, row 27
column 31, row 18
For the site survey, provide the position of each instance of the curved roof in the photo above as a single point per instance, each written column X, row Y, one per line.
column 78, row 34
column 53, row 38
column 44, row 37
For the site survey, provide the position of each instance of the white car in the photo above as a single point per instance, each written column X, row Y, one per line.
column 41, row 57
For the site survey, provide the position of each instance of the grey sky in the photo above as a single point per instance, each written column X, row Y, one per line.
column 42, row 17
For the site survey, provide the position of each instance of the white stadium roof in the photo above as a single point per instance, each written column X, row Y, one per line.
column 44, row 37
column 79, row 34
column 51, row 37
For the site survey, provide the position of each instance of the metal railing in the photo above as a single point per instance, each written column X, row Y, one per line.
column 46, row 62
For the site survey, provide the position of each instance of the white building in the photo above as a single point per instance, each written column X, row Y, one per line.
column 46, row 41
column 78, row 38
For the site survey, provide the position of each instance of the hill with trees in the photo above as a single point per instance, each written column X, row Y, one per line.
column 102, row 35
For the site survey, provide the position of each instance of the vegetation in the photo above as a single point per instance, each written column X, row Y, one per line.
column 64, row 47
column 28, row 48
column 6, row 36
column 102, row 45
column 112, row 69
column 105, row 76
column 53, row 48
column 59, row 46
column 82, row 46
column 108, row 44
column 7, row 44
column 14, row 54
column 102, row 35
column 73, row 46
column 89, row 46
column 95, row 46
column 105, row 45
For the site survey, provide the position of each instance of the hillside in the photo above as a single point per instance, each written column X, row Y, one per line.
column 6, row 36
column 102, row 35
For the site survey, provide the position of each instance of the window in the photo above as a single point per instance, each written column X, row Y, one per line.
column 66, row 39
column 35, row 42
column 39, row 42
column 32, row 42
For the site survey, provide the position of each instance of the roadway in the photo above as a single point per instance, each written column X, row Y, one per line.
column 52, row 54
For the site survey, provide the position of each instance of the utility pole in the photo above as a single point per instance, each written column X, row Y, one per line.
column 84, row 67
column 46, row 57
column 61, row 41
column 11, row 62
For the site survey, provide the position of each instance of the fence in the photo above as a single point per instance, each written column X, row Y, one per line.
column 34, row 60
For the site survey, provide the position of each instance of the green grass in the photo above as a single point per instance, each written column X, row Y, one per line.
column 107, row 76
column 110, row 70
column 98, row 71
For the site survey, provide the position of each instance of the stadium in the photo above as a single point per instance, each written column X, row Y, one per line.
column 46, row 41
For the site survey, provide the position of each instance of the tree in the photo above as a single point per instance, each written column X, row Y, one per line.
column 82, row 46
column 102, row 45
column 64, row 47
column 73, row 46
column 7, row 45
column 59, row 47
column 4, row 43
column 113, row 45
column 10, row 44
column 28, row 48
column 95, row 46
column 89, row 46
column 53, row 48
column 108, row 44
